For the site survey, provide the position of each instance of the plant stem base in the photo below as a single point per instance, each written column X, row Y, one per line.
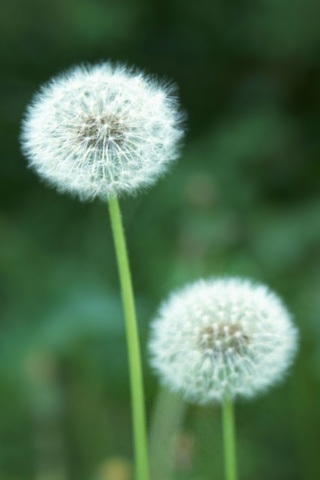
column 229, row 440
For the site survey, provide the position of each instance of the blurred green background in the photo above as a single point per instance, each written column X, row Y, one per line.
column 244, row 199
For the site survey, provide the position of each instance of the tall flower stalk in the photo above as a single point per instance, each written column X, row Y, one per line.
column 106, row 131
column 228, row 423
column 133, row 344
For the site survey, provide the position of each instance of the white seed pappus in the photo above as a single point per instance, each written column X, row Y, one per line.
column 222, row 338
column 102, row 131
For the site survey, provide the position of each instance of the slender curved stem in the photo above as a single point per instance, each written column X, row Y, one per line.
column 229, row 440
column 134, row 355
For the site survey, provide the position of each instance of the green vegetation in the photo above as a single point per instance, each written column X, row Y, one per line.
column 243, row 199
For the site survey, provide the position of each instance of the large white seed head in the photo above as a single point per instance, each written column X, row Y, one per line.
column 102, row 131
column 222, row 338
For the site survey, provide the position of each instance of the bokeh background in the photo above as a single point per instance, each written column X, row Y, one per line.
column 244, row 199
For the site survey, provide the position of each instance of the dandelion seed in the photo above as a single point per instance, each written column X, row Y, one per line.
column 102, row 131
column 222, row 338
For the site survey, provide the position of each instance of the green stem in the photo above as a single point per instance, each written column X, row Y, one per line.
column 133, row 345
column 166, row 421
column 229, row 440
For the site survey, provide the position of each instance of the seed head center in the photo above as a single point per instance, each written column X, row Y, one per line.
column 223, row 337
column 101, row 132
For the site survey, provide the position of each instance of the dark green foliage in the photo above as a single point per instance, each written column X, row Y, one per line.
column 244, row 199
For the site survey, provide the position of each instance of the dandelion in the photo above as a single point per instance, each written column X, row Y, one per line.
column 102, row 131
column 105, row 131
column 220, row 339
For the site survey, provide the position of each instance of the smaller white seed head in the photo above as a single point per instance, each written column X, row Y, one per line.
column 102, row 131
column 222, row 338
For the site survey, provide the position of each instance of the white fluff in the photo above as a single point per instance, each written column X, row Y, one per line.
column 222, row 338
column 102, row 131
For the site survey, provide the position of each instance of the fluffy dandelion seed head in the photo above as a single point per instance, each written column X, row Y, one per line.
column 102, row 131
column 222, row 338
